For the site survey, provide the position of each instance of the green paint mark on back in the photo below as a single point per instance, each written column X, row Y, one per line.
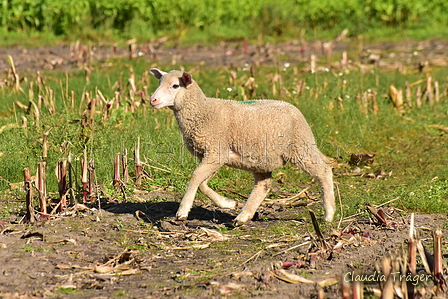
column 248, row 102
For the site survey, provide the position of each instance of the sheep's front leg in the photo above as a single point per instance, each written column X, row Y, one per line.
column 219, row 200
column 200, row 174
column 262, row 185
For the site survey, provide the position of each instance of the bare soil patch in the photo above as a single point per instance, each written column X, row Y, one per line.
column 137, row 250
column 393, row 55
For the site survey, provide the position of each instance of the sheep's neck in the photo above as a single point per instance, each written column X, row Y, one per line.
column 192, row 117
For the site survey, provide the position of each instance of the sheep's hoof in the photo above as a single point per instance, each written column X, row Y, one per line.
column 240, row 220
column 237, row 223
column 329, row 218
column 181, row 217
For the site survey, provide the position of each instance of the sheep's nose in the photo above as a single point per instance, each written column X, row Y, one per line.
column 153, row 100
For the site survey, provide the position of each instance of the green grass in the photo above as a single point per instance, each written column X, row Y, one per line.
column 409, row 151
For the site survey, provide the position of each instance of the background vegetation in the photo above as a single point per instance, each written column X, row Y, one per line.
column 211, row 20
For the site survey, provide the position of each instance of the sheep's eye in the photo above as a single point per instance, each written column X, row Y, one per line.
column 176, row 86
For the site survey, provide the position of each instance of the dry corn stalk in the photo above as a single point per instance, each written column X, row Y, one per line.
column 313, row 63
column 438, row 262
column 132, row 45
column 41, row 181
column 388, row 288
column 396, row 95
column 418, row 99
column 35, row 112
column 357, row 288
column 17, row 87
column 436, row 92
column 429, row 90
column 124, row 165
column 117, row 170
column 138, row 163
column 408, row 93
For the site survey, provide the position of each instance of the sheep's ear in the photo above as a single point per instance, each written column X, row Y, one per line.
column 186, row 78
column 157, row 73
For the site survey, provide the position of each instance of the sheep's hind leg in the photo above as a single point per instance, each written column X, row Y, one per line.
column 319, row 168
column 262, row 185
column 200, row 174
column 326, row 183
column 218, row 199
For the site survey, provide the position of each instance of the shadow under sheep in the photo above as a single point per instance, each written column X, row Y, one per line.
column 158, row 212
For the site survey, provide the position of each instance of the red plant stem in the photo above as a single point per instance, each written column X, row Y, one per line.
column 84, row 192
column 84, row 176
column 62, row 184
column 438, row 263
column 91, row 178
column 70, row 179
column 345, row 289
column 344, row 60
column 357, row 290
column 245, row 46
column 412, row 247
column 29, row 217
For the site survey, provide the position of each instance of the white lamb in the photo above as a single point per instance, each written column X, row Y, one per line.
column 258, row 136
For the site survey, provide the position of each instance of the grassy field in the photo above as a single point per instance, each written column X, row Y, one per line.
column 351, row 112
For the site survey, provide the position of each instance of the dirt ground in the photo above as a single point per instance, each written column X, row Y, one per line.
column 135, row 249
column 397, row 55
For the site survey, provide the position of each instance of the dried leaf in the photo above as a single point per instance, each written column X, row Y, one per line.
column 328, row 282
column 103, row 269
column 440, row 127
column 377, row 174
column 63, row 266
column 217, row 236
column 287, row 265
column 73, row 241
column 201, row 246
column 422, row 251
column 379, row 217
column 130, row 272
column 238, row 275
column 290, row 277
column 69, row 283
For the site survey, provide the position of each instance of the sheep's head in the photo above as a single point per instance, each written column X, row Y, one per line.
column 171, row 86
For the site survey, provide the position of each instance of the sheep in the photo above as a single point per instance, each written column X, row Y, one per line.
column 259, row 136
